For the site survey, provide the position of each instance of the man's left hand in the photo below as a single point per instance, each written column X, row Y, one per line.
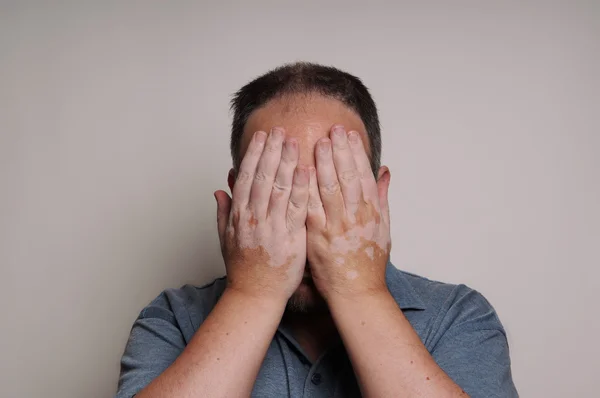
column 348, row 222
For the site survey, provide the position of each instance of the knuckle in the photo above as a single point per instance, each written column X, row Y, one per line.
column 243, row 176
column 295, row 205
column 332, row 188
column 315, row 205
column 349, row 176
column 279, row 188
column 260, row 176
column 366, row 174
column 363, row 174
column 272, row 148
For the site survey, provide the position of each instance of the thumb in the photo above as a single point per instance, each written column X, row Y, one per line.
column 223, row 208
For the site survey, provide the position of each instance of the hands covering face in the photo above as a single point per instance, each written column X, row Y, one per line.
column 336, row 215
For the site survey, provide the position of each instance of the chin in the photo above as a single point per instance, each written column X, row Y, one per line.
column 306, row 299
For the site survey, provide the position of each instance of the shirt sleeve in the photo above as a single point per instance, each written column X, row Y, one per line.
column 473, row 349
column 154, row 343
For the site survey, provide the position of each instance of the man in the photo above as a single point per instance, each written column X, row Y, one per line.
column 310, row 306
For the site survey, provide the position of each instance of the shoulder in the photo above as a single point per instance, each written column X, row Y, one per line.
column 445, row 296
column 444, row 307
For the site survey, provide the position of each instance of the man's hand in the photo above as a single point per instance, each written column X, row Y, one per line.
column 348, row 219
column 348, row 248
column 263, row 241
column 262, row 229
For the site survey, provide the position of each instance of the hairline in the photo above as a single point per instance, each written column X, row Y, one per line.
column 237, row 160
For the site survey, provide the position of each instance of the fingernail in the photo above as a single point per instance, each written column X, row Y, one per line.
column 277, row 132
column 260, row 136
column 339, row 131
column 324, row 146
column 353, row 136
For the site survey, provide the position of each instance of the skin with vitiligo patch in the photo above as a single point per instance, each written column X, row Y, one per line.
column 307, row 118
column 262, row 227
column 359, row 244
column 358, row 259
column 348, row 224
column 245, row 245
column 350, row 236
column 266, row 262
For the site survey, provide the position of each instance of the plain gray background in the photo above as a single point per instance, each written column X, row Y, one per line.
column 114, row 134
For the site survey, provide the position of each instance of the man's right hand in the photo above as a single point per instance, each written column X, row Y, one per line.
column 262, row 229
column 263, row 240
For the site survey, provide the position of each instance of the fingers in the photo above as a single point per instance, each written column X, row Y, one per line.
column 265, row 173
column 316, row 212
column 367, row 179
column 282, row 186
column 223, row 209
column 298, row 201
column 245, row 175
column 345, row 167
column 329, row 187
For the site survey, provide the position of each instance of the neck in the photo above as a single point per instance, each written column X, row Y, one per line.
column 315, row 332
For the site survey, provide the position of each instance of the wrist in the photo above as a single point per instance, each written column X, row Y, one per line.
column 265, row 302
column 353, row 301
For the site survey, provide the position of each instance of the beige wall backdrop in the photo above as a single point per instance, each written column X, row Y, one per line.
column 114, row 131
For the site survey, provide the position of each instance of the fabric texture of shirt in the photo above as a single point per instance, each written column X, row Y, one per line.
column 457, row 325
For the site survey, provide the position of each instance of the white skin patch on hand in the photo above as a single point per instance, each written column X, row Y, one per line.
column 254, row 243
column 339, row 260
column 352, row 274
column 369, row 252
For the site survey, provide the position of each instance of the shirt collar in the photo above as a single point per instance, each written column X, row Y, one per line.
column 401, row 289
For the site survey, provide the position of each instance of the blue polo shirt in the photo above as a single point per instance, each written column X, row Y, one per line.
column 457, row 324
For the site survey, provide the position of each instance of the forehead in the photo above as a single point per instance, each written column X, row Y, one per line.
column 305, row 117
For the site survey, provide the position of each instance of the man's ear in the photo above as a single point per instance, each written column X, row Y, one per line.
column 231, row 179
column 384, row 173
column 383, row 183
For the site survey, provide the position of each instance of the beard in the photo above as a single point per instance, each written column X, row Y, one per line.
column 307, row 299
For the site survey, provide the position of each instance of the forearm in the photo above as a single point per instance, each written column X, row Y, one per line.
column 387, row 355
column 224, row 356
